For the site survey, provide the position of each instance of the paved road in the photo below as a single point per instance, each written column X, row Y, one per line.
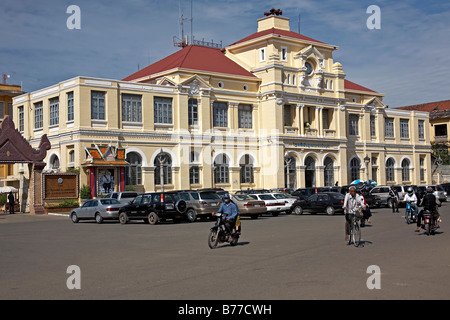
column 286, row 257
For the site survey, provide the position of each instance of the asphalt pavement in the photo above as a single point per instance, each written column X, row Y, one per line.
column 278, row 258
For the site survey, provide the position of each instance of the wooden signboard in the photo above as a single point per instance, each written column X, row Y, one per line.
column 60, row 186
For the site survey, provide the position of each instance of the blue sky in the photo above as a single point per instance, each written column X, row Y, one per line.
column 408, row 59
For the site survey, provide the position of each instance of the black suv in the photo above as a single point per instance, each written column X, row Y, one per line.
column 154, row 207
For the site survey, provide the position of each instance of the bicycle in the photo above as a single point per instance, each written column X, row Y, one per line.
column 355, row 230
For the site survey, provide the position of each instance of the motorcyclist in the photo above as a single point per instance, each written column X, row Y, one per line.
column 230, row 212
column 429, row 203
column 412, row 198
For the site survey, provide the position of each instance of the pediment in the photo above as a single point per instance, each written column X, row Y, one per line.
column 196, row 84
column 375, row 103
column 311, row 52
column 164, row 81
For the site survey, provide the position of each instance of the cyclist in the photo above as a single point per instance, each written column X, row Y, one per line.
column 351, row 203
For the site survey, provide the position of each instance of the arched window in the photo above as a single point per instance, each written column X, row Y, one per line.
column 54, row 162
column 246, row 165
column 165, row 161
column 405, row 170
column 133, row 173
column 329, row 172
column 355, row 169
column 390, row 165
column 221, row 169
column 290, row 170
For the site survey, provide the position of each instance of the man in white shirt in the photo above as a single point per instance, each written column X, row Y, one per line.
column 351, row 203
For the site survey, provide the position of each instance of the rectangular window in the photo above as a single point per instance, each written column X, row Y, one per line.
column 440, row 130
column 2, row 109
column 287, row 116
column 421, row 129
column 262, row 55
column 404, row 128
column 389, row 127
column 97, row 105
column 70, row 106
column 283, row 54
column 163, row 110
column 220, row 114
column 353, row 125
column 194, row 175
column 131, row 108
column 193, row 112
column 54, row 112
column 38, row 116
column 373, row 131
column 325, row 119
column 21, row 119
column 245, row 116
column 422, row 168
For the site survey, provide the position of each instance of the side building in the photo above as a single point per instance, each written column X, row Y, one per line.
column 271, row 110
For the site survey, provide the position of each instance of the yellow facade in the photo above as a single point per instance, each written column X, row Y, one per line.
column 302, row 127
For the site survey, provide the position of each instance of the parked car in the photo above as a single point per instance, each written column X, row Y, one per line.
column 253, row 191
column 123, row 197
column 305, row 193
column 288, row 201
column 248, row 206
column 273, row 205
column 200, row 203
column 327, row 202
column 282, row 190
column 439, row 192
column 154, row 207
column 383, row 193
column 98, row 210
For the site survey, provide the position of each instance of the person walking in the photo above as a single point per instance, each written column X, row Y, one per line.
column 393, row 194
column 11, row 202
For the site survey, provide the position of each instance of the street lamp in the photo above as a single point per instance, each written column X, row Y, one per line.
column 367, row 161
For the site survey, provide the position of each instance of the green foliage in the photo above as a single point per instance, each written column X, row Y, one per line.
column 73, row 170
column 85, row 192
column 3, row 198
column 68, row 204
column 130, row 188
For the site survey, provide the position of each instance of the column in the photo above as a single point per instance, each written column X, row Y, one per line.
column 300, row 119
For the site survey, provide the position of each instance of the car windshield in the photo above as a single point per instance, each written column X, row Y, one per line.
column 209, row 196
column 109, row 201
column 266, row 197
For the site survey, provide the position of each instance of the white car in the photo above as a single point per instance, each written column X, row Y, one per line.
column 273, row 205
column 288, row 201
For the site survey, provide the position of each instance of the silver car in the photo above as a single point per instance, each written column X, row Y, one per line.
column 98, row 210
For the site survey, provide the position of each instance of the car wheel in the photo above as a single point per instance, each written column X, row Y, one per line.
column 298, row 210
column 330, row 211
column 98, row 218
column 74, row 217
column 275, row 214
column 254, row 216
column 153, row 218
column 191, row 215
column 123, row 218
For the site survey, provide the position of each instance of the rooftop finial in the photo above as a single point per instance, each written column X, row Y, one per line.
column 274, row 12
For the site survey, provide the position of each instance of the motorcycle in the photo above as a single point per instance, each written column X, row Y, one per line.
column 429, row 223
column 219, row 233
column 411, row 214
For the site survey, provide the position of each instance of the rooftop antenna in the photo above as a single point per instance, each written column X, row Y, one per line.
column 184, row 41
column 299, row 21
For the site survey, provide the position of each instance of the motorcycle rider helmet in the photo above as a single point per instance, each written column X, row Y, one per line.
column 410, row 191
column 226, row 198
column 430, row 190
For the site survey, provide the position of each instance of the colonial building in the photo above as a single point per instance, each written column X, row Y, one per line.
column 271, row 110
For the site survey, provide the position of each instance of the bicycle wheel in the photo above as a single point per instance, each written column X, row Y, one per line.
column 356, row 234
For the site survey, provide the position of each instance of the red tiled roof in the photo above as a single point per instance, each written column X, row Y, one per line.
column 428, row 107
column 194, row 58
column 348, row 85
column 275, row 31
